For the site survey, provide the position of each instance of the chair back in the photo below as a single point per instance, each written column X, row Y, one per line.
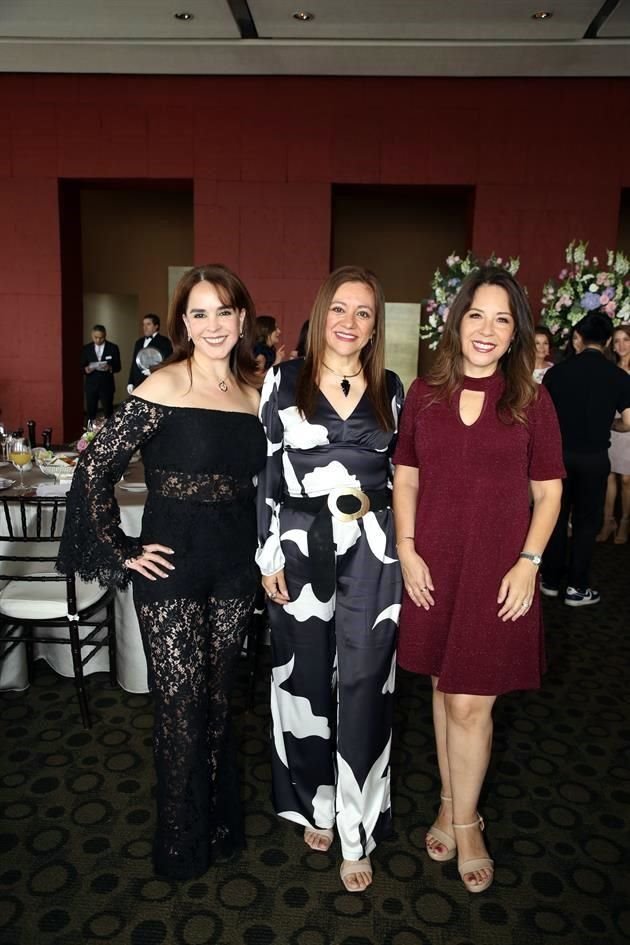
column 30, row 530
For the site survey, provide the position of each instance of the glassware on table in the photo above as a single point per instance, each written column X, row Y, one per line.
column 3, row 443
column 20, row 455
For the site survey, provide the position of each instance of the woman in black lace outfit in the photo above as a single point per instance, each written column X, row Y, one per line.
column 193, row 574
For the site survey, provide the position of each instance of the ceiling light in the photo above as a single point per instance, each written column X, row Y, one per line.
column 184, row 16
column 542, row 15
column 303, row 15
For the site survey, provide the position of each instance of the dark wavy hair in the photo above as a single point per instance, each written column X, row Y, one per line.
column 372, row 356
column 232, row 292
column 517, row 364
column 265, row 327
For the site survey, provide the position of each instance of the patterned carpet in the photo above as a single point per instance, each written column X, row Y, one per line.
column 77, row 817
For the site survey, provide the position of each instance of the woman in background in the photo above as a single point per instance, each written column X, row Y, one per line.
column 543, row 340
column 300, row 348
column 476, row 436
column 266, row 350
column 328, row 558
column 619, row 454
column 192, row 568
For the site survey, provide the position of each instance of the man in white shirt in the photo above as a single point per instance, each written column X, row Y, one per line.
column 100, row 360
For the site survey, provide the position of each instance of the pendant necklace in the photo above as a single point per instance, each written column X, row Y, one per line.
column 344, row 383
column 223, row 386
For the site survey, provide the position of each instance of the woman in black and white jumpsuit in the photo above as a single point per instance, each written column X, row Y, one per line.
column 328, row 558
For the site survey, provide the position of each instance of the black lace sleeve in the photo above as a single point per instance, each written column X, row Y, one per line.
column 93, row 545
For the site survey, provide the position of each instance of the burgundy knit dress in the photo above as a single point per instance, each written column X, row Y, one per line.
column 471, row 522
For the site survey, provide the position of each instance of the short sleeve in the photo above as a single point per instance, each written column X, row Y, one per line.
column 545, row 445
column 405, row 452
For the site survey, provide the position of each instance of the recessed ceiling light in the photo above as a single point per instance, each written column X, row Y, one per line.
column 542, row 15
column 184, row 16
column 303, row 15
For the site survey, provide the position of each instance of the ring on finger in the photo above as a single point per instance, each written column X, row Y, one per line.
column 272, row 595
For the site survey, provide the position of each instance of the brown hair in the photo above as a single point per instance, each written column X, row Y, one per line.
column 372, row 356
column 232, row 292
column 265, row 327
column 626, row 330
column 517, row 364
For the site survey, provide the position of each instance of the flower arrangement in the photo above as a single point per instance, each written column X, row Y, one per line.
column 584, row 286
column 445, row 286
column 84, row 440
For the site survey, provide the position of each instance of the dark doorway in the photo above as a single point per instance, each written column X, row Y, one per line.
column 118, row 239
column 403, row 233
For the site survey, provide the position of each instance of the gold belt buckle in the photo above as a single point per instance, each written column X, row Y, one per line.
column 348, row 516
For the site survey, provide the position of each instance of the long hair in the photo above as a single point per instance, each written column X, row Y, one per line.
column 300, row 345
column 372, row 356
column 232, row 292
column 626, row 330
column 265, row 327
column 516, row 365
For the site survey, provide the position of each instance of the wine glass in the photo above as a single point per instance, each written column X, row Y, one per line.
column 20, row 455
column 3, row 442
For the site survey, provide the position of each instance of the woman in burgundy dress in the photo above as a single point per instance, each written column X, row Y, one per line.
column 477, row 436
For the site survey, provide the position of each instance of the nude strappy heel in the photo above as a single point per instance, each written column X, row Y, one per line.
column 476, row 863
column 445, row 839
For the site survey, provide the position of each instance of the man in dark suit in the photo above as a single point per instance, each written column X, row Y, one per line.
column 151, row 338
column 100, row 360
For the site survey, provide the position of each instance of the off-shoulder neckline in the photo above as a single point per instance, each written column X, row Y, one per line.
column 154, row 403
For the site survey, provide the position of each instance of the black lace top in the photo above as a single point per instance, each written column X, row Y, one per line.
column 199, row 469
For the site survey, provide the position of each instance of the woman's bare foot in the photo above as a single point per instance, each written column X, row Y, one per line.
column 318, row 838
column 472, row 853
column 437, row 846
column 356, row 875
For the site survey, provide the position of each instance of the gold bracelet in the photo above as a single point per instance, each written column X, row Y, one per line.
column 406, row 538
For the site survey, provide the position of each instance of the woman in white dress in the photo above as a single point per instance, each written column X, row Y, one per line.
column 619, row 454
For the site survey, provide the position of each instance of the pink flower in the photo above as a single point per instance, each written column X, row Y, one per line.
column 82, row 444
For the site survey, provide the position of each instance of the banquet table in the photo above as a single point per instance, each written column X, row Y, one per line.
column 131, row 667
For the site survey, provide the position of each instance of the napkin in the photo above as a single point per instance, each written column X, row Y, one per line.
column 48, row 490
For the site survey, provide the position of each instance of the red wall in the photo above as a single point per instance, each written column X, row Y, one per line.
column 547, row 157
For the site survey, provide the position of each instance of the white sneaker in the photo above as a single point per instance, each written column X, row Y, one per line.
column 576, row 598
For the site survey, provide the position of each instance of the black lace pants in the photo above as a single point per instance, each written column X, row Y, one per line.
column 192, row 648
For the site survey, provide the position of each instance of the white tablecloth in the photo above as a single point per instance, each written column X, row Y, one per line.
column 131, row 667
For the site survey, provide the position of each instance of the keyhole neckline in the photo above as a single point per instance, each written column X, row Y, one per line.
column 483, row 384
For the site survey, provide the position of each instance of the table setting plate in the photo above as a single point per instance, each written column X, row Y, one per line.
column 133, row 486
column 6, row 483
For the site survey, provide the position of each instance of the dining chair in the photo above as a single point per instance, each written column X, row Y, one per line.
column 40, row 606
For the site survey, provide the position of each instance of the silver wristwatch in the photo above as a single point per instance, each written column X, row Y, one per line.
column 535, row 559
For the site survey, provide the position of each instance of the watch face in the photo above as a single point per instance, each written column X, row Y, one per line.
column 536, row 559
